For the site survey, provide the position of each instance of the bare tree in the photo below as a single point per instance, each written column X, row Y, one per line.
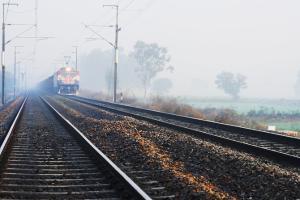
column 231, row 84
column 162, row 85
column 151, row 60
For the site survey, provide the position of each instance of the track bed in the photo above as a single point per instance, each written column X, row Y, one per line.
column 192, row 168
column 45, row 161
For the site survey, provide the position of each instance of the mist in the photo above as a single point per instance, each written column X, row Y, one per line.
column 257, row 39
column 100, row 62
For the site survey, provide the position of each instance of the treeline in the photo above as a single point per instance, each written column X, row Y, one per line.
column 175, row 106
column 271, row 114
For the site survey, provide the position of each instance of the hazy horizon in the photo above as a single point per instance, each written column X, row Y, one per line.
column 257, row 39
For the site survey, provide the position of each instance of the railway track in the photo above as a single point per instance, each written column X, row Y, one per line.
column 280, row 148
column 7, row 114
column 43, row 156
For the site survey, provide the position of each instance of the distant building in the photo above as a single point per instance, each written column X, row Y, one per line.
column 271, row 128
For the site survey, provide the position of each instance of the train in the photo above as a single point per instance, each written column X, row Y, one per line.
column 65, row 81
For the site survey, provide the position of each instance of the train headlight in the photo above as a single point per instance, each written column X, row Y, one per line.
column 68, row 69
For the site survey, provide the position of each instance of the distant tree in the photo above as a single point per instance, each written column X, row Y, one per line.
column 151, row 60
column 162, row 85
column 171, row 69
column 96, row 66
column 231, row 84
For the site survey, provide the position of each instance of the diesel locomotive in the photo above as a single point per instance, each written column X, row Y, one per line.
column 64, row 81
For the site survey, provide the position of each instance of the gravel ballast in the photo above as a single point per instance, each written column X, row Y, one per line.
column 7, row 113
column 193, row 168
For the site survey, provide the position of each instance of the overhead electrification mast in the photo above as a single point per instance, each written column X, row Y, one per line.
column 116, row 60
column 3, row 48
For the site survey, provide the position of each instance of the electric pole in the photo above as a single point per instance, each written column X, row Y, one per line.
column 3, row 49
column 67, row 60
column 23, row 81
column 19, row 77
column 76, row 57
column 116, row 60
column 35, row 26
column 15, row 70
column 36, row 19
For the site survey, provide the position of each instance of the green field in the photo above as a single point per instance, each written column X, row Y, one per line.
column 293, row 126
column 243, row 106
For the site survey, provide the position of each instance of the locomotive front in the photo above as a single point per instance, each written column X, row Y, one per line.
column 66, row 81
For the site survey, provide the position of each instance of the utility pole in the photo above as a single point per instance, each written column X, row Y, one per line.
column 19, row 77
column 3, row 49
column 23, row 81
column 67, row 60
column 116, row 60
column 36, row 19
column 76, row 57
column 26, row 79
column 15, row 70
column 35, row 26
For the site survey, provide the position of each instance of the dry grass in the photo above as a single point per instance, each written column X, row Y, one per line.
column 229, row 116
column 6, row 112
column 173, row 105
column 94, row 95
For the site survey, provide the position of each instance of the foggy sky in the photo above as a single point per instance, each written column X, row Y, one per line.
column 259, row 39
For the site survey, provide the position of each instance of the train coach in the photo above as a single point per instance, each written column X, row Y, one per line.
column 64, row 81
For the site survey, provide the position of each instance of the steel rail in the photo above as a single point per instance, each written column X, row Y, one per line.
column 134, row 189
column 250, row 148
column 8, row 136
column 207, row 123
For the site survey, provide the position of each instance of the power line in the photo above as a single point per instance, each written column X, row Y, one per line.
column 103, row 16
column 141, row 11
column 8, row 3
column 36, row 18
column 110, row 19
column 35, row 28
column 127, row 6
column 121, row 10
column 18, row 35
column 21, row 12
column 95, row 21
column 99, row 35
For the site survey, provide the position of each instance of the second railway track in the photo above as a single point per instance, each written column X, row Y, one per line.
column 273, row 146
column 42, row 158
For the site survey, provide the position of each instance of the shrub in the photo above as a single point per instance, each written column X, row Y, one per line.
column 172, row 105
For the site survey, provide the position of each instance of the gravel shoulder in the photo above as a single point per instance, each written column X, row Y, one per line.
column 7, row 114
column 194, row 168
